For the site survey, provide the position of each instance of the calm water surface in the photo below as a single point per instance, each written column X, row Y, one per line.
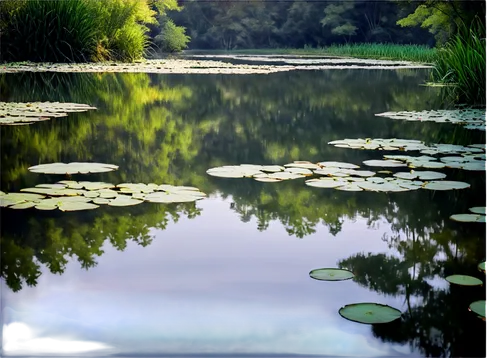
column 229, row 275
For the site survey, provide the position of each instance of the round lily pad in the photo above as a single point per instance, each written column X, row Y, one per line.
column 338, row 165
column 445, row 185
column 482, row 266
column 72, row 168
column 478, row 210
column 331, row 274
column 326, row 182
column 479, row 308
column 302, row 164
column 464, row 280
column 468, row 218
column 233, row 171
column 370, row 313
column 384, row 163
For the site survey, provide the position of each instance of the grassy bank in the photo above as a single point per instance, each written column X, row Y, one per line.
column 462, row 61
column 415, row 53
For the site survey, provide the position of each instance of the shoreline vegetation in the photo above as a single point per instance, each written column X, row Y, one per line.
column 450, row 37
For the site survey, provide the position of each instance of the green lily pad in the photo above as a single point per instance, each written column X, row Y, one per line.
column 301, row 171
column 272, row 168
column 54, row 192
column 124, row 200
column 266, row 179
column 302, row 164
column 467, row 217
column 285, row 176
column 482, row 266
column 384, row 163
column 101, row 201
column 381, row 187
column 445, row 185
column 72, row 168
column 423, row 175
column 349, row 187
column 13, row 113
column 479, row 308
column 25, row 205
column 338, row 165
column 331, row 274
column 64, row 203
column 326, row 183
column 464, row 280
column 478, row 210
column 18, row 198
column 233, row 171
column 370, row 313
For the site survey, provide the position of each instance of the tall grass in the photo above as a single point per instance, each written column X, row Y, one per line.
column 462, row 61
column 74, row 30
column 379, row 51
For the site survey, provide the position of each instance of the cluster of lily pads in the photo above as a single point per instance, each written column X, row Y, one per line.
column 15, row 113
column 470, row 118
column 69, row 195
column 478, row 216
column 341, row 176
column 471, row 157
column 205, row 66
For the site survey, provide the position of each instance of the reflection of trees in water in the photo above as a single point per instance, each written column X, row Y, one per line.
column 436, row 320
column 31, row 239
column 171, row 129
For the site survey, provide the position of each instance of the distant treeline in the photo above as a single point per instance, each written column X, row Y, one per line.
column 237, row 24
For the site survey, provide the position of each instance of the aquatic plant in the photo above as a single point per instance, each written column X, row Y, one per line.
column 462, row 61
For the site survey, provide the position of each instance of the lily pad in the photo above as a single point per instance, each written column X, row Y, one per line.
column 124, row 200
column 13, row 113
column 479, row 308
column 478, row 210
column 65, row 203
column 326, row 183
column 302, row 164
column 72, row 168
column 423, row 175
column 331, row 274
column 233, row 171
column 301, row 171
column 338, row 165
column 445, row 185
column 482, row 266
column 18, row 198
column 370, row 313
column 464, row 280
column 384, row 163
column 468, row 218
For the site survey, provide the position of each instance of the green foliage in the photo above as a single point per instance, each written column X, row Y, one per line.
column 462, row 61
column 335, row 19
column 172, row 38
column 78, row 30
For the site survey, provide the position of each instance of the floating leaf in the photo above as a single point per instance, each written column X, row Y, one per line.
column 478, row 210
column 124, row 200
column 423, row 175
column 326, row 183
column 301, row 171
column 479, row 308
column 74, row 206
column 233, row 171
column 72, row 168
column 464, row 280
column 482, row 266
column 445, row 185
column 331, row 274
column 25, row 205
column 338, row 165
column 302, row 164
column 370, row 313
column 467, row 217
column 384, row 163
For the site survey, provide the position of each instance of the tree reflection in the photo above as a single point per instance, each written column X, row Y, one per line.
column 436, row 321
column 171, row 129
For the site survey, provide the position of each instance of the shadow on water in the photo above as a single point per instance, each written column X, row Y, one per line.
column 171, row 129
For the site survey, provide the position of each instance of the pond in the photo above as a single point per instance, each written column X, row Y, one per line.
column 229, row 275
